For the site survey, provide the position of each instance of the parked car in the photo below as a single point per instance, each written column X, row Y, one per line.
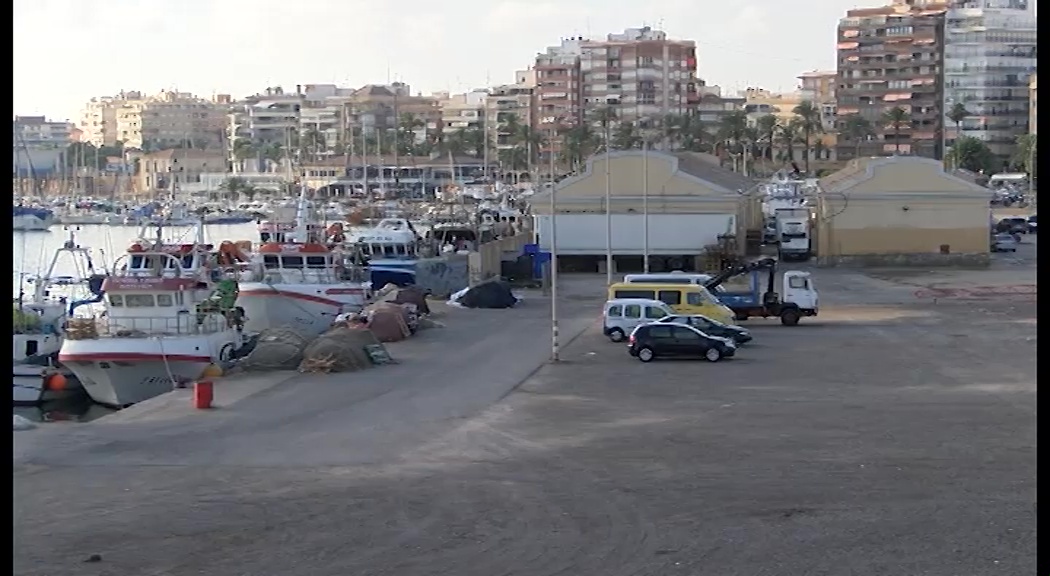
column 660, row 340
column 1004, row 242
column 1032, row 224
column 622, row 315
column 1013, row 225
column 709, row 326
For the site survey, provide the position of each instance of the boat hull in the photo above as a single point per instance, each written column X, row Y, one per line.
column 30, row 223
column 119, row 372
column 307, row 308
column 397, row 272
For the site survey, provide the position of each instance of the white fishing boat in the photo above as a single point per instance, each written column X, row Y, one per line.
column 390, row 250
column 168, row 317
column 39, row 327
column 298, row 281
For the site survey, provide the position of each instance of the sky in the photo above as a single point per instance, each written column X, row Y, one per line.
column 67, row 51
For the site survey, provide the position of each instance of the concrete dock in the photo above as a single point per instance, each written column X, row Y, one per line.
column 889, row 435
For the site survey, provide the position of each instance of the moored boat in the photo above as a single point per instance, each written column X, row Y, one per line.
column 167, row 319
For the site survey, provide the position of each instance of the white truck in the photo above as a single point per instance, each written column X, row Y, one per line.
column 793, row 234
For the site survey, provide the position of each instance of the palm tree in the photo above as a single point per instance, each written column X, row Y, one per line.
column 732, row 131
column 957, row 114
column 577, row 144
column 455, row 143
column 671, row 130
column 1025, row 153
column 767, row 130
column 474, row 139
column 244, row 149
column 693, row 134
column 626, row 137
column 809, row 121
column 895, row 119
column 312, row 143
column 856, row 128
column 408, row 124
column 605, row 117
column 788, row 135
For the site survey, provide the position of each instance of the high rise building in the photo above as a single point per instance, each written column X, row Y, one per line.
column 165, row 120
column 890, row 58
column 989, row 56
column 640, row 74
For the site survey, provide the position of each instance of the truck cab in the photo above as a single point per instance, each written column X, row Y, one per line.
column 793, row 234
column 757, row 295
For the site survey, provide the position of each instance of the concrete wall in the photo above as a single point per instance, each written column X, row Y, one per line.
column 443, row 275
column 487, row 262
column 883, row 226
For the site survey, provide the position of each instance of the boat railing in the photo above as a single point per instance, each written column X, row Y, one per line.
column 185, row 324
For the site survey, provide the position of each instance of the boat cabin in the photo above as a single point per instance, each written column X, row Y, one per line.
column 279, row 232
column 391, row 239
column 157, row 299
column 164, row 261
column 298, row 263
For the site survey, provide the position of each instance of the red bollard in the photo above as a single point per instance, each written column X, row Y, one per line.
column 203, row 394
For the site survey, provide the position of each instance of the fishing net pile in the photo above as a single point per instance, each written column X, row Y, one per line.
column 276, row 349
column 340, row 349
column 404, row 295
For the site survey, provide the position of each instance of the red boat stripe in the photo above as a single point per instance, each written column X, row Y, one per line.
column 131, row 357
column 307, row 297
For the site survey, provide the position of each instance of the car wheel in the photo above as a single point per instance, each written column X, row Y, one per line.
column 790, row 317
column 713, row 354
column 616, row 335
column 646, row 354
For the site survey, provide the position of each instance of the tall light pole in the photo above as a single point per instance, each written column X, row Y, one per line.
column 608, row 213
column 645, row 205
column 555, row 353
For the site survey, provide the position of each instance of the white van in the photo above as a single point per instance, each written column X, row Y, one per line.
column 671, row 278
column 623, row 315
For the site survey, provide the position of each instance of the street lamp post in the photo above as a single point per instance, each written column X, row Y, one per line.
column 645, row 205
column 553, row 264
column 608, row 213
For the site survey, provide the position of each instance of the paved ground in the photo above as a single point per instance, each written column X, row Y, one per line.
column 892, row 435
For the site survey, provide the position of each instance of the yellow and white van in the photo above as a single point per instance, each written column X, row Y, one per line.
column 682, row 298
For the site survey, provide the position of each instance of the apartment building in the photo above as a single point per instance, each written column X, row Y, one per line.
column 818, row 87
column 511, row 103
column 462, row 111
column 152, row 122
column 39, row 145
column 891, row 57
column 39, row 132
column 265, row 118
column 1032, row 124
column 640, row 74
column 989, row 57
column 711, row 105
column 184, row 166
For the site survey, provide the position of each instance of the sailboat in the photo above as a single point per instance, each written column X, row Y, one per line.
column 39, row 326
column 169, row 315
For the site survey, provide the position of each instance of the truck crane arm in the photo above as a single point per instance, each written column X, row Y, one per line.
column 733, row 271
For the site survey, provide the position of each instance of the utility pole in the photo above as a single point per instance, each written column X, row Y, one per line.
column 555, row 353
column 608, row 213
column 645, row 205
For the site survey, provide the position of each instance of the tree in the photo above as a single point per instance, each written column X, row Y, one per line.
column 578, row 143
column 312, row 143
column 957, row 114
column 604, row 117
column 408, row 125
column 856, row 129
column 973, row 155
column 896, row 119
column 693, row 135
column 788, row 135
column 233, row 188
column 766, row 126
column 810, row 123
column 626, row 137
column 1026, row 153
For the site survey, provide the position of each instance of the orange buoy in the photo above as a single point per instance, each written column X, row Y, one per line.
column 55, row 381
column 203, row 394
column 211, row 371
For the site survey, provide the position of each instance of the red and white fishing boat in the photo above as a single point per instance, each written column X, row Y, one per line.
column 299, row 281
column 168, row 316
